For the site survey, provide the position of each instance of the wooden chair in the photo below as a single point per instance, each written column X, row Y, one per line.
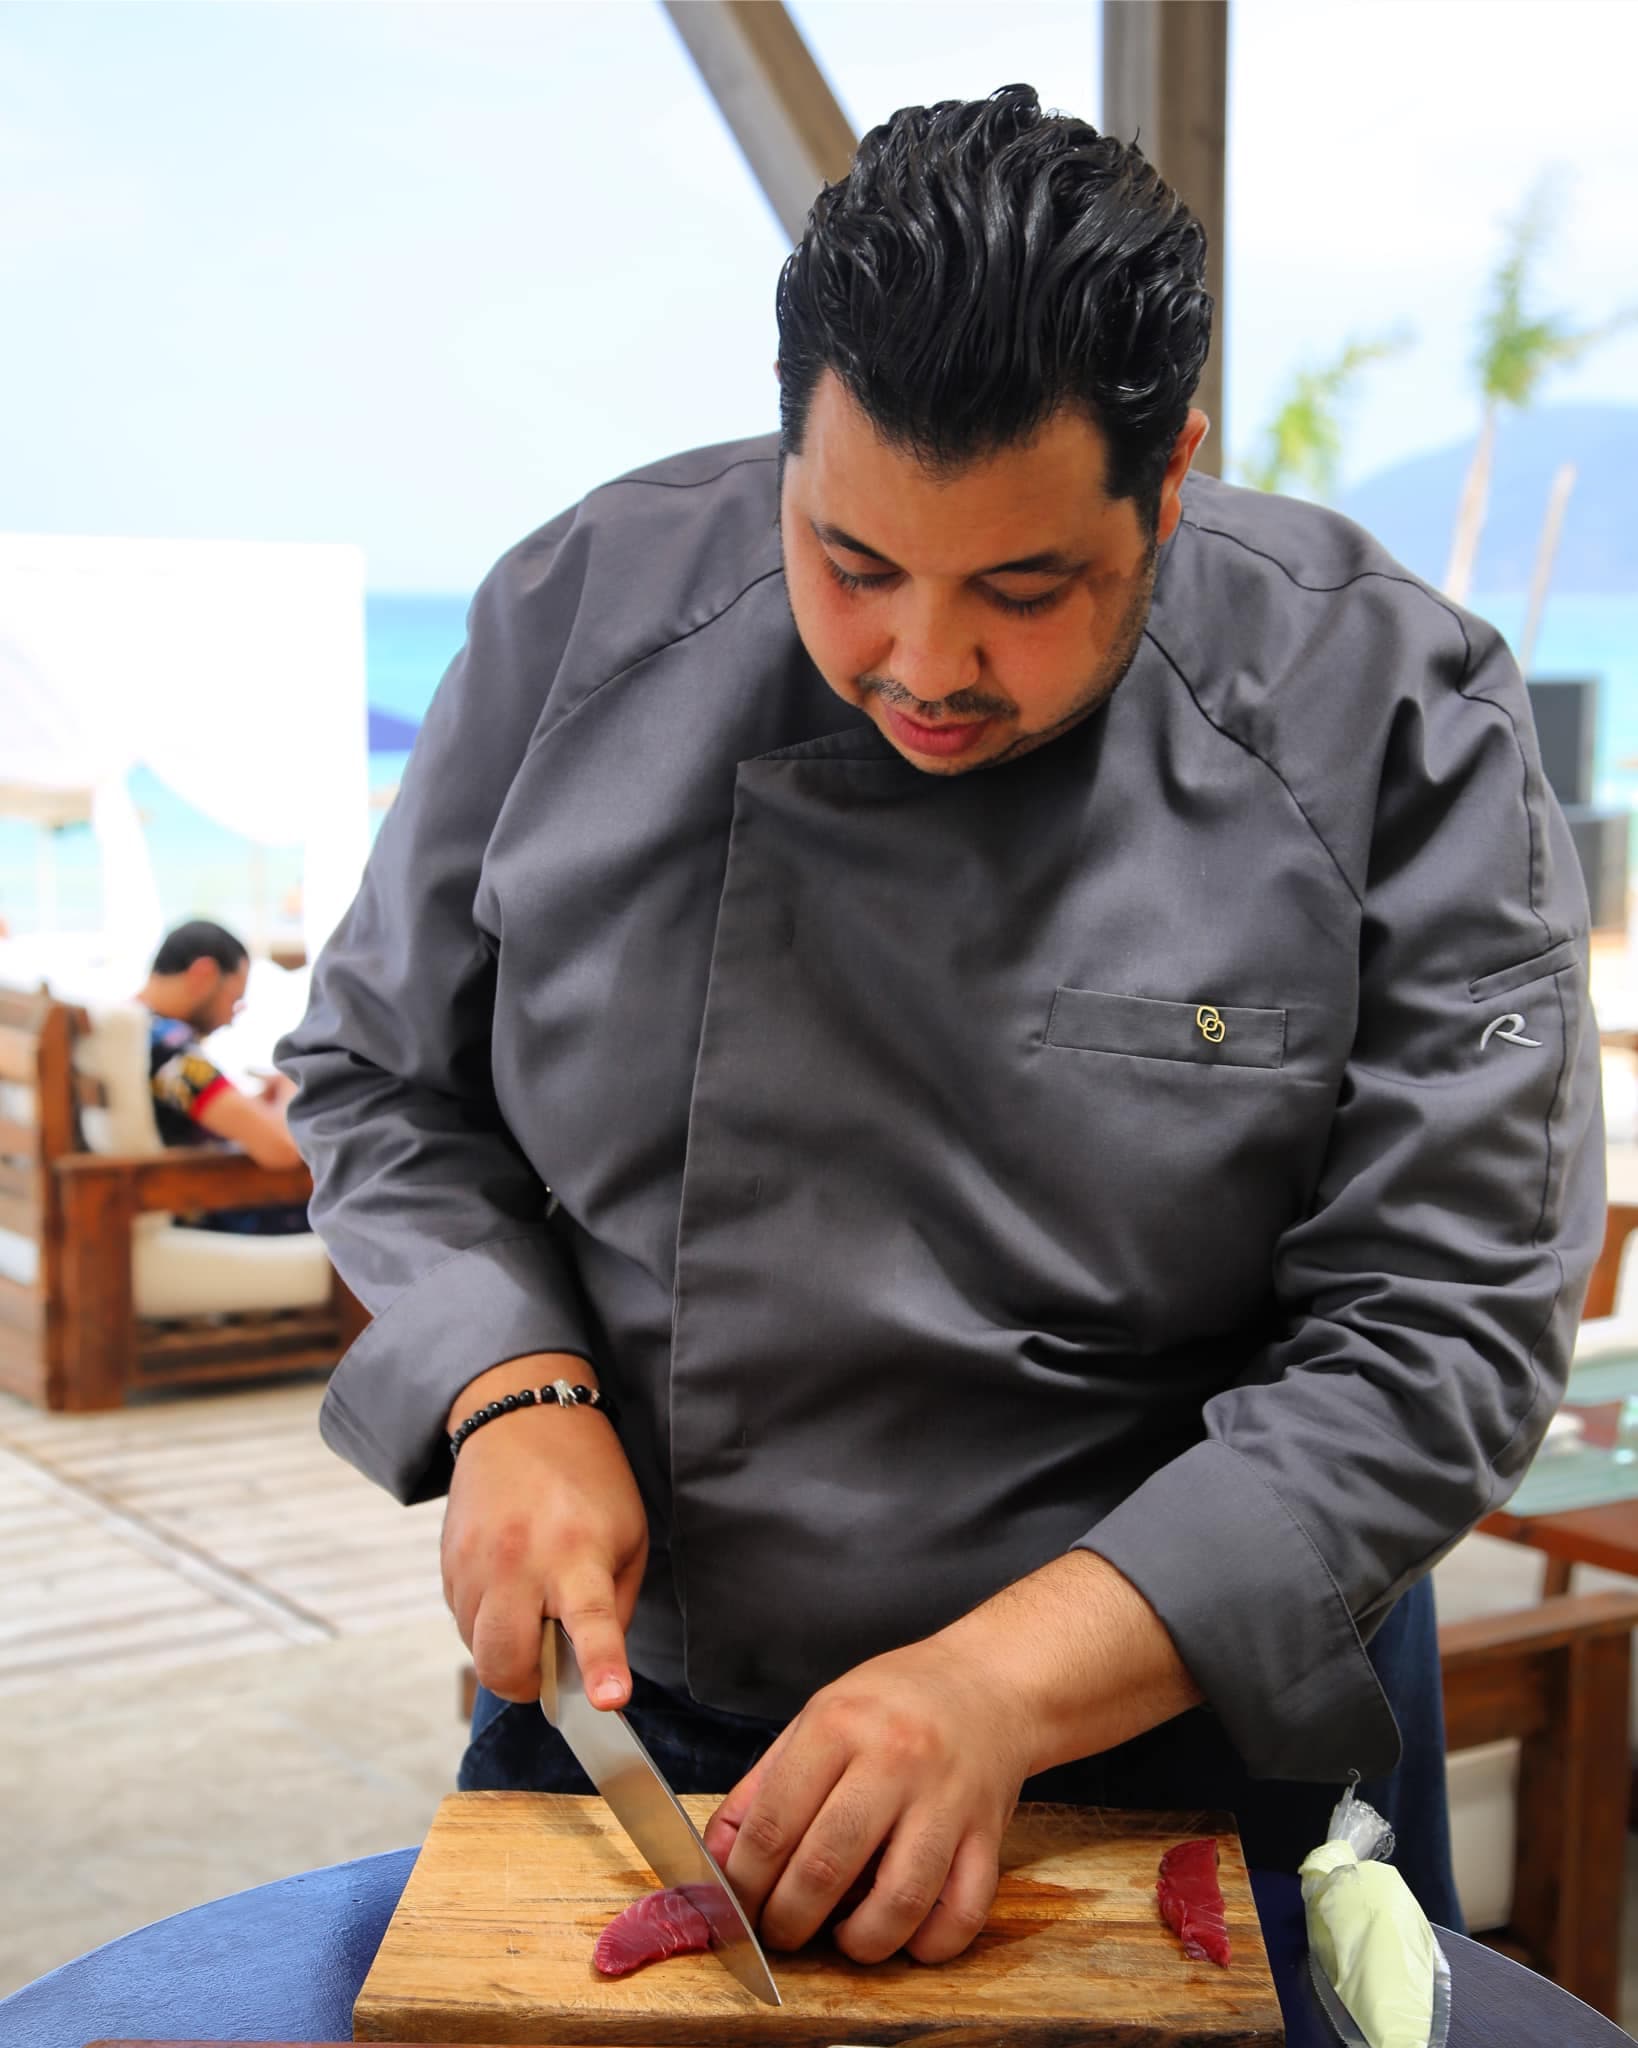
column 85, row 1246
column 1556, row 1678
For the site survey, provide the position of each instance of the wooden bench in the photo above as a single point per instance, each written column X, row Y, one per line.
column 71, row 1336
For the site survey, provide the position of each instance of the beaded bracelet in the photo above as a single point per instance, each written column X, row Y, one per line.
column 559, row 1392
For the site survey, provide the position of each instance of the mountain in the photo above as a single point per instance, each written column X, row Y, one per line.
column 1411, row 507
column 390, row 731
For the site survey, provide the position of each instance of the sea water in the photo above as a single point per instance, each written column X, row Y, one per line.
column 52, row 881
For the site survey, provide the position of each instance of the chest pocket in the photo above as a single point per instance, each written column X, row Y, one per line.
column 1141, row 1027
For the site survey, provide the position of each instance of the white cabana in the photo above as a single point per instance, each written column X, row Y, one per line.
column 234, row 671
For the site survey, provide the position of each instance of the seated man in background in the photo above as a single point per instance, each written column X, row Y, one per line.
column 196, row 986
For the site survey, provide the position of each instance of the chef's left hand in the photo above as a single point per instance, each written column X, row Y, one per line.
column 920, row 1754
column 917, row 1750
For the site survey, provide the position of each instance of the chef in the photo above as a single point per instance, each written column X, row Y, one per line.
column 1014, row 1020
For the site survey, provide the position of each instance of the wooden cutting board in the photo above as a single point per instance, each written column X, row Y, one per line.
column 492, row 1942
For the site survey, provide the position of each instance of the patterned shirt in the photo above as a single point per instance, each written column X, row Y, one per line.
column 183, row 1081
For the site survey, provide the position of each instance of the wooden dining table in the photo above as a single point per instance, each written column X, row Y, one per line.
column 1605, row 1535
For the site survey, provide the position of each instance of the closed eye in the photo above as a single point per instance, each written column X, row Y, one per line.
column 1019, row 607
column 849, row 581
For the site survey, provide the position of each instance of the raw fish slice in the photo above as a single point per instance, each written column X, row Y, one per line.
column 1191, row 1900
column 657, row 1925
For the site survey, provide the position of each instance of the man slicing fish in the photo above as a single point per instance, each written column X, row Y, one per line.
column 944, row 966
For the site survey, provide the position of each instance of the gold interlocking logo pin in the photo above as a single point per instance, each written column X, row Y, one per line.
column 1212, row 1028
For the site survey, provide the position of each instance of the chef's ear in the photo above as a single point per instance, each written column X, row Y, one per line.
column 1195, row 429
column 778, row 379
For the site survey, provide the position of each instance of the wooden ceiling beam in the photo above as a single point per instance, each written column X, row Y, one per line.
column 776, row 101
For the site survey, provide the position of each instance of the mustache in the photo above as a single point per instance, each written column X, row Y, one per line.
column 959, row 704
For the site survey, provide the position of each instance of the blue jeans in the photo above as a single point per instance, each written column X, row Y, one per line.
column 273, row 1219
column 1188, row 1762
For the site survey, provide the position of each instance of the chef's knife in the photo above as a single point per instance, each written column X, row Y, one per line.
column 608, row 1751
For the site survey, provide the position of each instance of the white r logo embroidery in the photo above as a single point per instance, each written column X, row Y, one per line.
column 1510, row 1027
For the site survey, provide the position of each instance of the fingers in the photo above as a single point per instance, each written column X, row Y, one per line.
column 929, row 1889
column 962, row 1907
column 722, row 1829
column 586, row 1604
column 503, row 1632
column 526, row 1536
column 505, row 1640
column 786, row 1793
column 825, row 1864
column 500, row 1599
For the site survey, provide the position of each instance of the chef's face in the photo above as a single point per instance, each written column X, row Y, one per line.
column 972, row 617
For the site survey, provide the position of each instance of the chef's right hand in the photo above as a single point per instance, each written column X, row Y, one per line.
column 544, row 1518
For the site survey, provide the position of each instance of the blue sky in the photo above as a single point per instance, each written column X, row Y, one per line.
column 416, row 275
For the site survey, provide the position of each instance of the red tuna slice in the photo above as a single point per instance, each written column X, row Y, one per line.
column 658, row 1925
column 1191, row 1901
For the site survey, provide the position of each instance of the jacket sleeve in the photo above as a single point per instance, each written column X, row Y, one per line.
column 1429, row 1296
column 424, row 1201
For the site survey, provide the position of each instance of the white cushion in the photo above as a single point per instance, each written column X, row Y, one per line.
column 1483, row 1575
column 180, row 1272
column 115, row 1052
column 1608, row 1336
column 1482, row 1785
column 19, row 1258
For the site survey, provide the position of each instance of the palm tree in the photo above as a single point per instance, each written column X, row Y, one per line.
column 1515, row 352
column 1302, row 443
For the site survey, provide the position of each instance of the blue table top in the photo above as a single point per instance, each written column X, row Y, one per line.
column 285, row 1962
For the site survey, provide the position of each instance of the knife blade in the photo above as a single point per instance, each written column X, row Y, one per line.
column 608, row 1750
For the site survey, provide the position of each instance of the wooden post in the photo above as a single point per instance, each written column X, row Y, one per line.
column 97, row 1359
column 58, row 1131
column 776, row 101
column 1165, row 87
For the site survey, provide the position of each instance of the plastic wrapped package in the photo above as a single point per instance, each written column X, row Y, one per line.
column 1369, row 1942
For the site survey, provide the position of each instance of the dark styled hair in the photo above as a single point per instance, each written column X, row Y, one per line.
column 199, row 940
column 984, row 263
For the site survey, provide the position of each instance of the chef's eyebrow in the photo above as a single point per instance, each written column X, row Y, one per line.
column 1049, row 562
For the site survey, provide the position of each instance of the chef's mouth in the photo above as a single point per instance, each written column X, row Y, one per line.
column 947, row 736
column 934, row 736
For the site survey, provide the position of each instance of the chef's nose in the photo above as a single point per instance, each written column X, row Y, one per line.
column 933, row 653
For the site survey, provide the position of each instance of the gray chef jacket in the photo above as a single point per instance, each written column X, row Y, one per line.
column 1110, row 1149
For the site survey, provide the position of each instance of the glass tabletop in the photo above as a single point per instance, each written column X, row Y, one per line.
column 1599, row 1468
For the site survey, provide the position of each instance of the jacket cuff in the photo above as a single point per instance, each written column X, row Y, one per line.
column 390, row 1396
column 1255, row 1615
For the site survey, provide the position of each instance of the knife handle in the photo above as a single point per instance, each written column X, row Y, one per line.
column 552, row 1635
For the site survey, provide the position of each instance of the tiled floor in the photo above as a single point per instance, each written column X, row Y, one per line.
column 224, row 1658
